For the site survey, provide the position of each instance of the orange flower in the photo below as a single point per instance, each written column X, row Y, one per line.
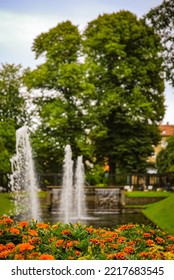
column 129, row 250
column 90, row 229
column 159, row 240
column 146, row 234
column 77, row 252
column 170, row 237
column 5, row 254
column 59, row 242
column 94, row 240
column 25, row 247
column 2, row 247
column 14, row 231
column 8, row 221
column 150, row 242
column 114, row 246
column 69, row 244
column 10, row 246
column 32, row 232
column 23, row 224
column 46, row 257
column 42, row 225
column 121, row 239
column 118, row 256
column 143, row 255
column 35, row 240
column 65, row 231
column 124, row 227
column 18, row 257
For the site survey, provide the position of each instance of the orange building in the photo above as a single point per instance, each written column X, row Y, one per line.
column 167, row 130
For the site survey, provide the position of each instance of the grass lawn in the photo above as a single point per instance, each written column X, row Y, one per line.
column 162, row 212
column 6, row 204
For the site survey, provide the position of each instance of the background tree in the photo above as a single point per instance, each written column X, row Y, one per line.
column 12, row 111
column 165, row 158
column 104, row 92
column 63, row 96
column 125, row 67
column 162, row 19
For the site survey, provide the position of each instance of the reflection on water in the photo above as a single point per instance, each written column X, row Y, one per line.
column 104, row 219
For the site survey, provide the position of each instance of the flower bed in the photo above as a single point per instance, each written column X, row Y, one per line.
column 39, row 241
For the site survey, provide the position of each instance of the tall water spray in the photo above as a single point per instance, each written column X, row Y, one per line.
column 66, row 201
column 80, row 202
column 72, row 201
column 23, row 178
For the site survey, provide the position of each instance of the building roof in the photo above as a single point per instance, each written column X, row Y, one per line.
column 166, row 129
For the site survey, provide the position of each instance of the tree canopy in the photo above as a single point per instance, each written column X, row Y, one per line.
column 101, row 91
column 12, row 111
column 162, row 20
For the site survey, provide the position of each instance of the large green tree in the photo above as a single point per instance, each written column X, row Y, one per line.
column 125, row 67
column 12, row 111
column 63, row 95
column 162, row 19
column 100, row 91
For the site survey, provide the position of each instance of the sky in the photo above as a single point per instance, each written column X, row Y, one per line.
column 22, row 21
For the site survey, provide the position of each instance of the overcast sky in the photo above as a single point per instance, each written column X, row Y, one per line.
column 21, row 21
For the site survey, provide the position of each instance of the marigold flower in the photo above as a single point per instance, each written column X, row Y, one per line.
column 68, row 244
column 117, row 256
column 8, row 221
column 159, row 240
column 42, row 225
column 25, row 247
column 77, row 252
column 143, row 255
column 10, row 246
column 94, row 240
column 5, row 254
column 146, row 234
column 65, row 231
column 23, row 224
column 59, row 242
column 129, row 250
column 170, row 237
column 35, row 240
column 2, row 247
column 90, row 230
column 125, row 227
column 150, row 242
column 19, row 257
column 14, row 231
column 32, row 232
column 121, row 239
column 46, row 257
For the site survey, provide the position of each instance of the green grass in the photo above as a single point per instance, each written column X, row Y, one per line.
column 148, row 194
column 161, row 213
column 6, row 204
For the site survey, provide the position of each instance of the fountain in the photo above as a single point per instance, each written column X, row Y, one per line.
column 80, row 201
column 23, row 180
column 72, row 198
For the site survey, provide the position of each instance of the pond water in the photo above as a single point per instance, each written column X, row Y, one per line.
column 106, row 219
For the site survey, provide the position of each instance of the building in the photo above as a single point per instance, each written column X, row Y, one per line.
column 166, row 130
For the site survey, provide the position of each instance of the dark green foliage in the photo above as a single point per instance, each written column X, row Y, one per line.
column 162, row 19
column 102, row 92
column 165, row 159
